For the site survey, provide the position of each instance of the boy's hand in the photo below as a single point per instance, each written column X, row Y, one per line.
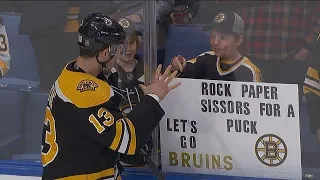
column 178, row 63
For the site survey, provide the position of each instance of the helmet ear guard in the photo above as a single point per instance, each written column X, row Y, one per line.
column 86, row 43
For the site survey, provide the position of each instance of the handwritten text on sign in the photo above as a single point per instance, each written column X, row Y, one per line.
column 232, row 128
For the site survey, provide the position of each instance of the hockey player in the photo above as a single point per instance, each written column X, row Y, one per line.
column 84, row 131
column 4, row 50
column 225, row 62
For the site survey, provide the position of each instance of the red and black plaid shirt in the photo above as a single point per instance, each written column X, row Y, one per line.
column 278, row 29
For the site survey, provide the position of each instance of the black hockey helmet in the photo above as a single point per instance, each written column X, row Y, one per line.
column 97, row 30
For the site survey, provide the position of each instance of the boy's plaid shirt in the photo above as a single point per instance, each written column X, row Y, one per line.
column 277, row 29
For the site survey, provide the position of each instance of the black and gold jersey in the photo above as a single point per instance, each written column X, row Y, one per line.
column 84, row 131
column 130, row 92
column 311, row 88
column 209, row 66
column 5, row 56
column 128, row 86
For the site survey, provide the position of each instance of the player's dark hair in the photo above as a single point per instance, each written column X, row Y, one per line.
column 89, row 54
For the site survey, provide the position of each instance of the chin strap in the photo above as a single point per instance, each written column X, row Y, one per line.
column 103, row 64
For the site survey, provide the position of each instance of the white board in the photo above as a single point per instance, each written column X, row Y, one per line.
column 250, row 129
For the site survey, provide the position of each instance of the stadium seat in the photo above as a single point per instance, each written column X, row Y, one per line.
column 188, row 41
column 10, row 121
column 23, row 61
column 23, row 73
column 12, row 23
column 33, row 118
column 160, row 52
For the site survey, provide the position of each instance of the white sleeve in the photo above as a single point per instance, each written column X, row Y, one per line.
column 4, row 51
column 154, row 97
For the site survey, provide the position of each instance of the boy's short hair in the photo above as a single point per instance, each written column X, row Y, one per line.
column 135, row 36
column 227, row 22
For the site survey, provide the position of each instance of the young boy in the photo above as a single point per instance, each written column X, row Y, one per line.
column 129, row 74
column 224, row 62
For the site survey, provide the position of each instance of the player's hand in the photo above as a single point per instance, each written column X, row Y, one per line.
column 160, row 84
column 178, row 63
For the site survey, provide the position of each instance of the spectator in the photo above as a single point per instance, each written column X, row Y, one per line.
column 280, row 35
column 163, row 10
column 129, row 75
column 184, row 11
column 225, row 61
column 311, row 89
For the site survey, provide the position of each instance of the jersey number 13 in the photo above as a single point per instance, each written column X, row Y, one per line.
column 50, row 139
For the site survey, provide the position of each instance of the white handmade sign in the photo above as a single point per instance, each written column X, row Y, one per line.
column 232, row 128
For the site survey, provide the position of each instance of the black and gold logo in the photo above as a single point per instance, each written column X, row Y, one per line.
column 125, row 23
column 220, row 18
column 87, row 85
column 129, row 76
column 125, row 109
column 271, row 150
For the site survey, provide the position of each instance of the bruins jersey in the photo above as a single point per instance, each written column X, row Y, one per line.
column 209, row 66
column 4, row 51
column 128, row 86
column 84, row 131
column 311, row 89
column 130, row 93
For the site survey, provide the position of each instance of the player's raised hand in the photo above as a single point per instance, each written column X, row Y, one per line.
column 160, row 84
column 178, row 63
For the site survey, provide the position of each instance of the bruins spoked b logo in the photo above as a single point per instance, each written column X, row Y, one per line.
column 220, row 17
column 271, row 150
